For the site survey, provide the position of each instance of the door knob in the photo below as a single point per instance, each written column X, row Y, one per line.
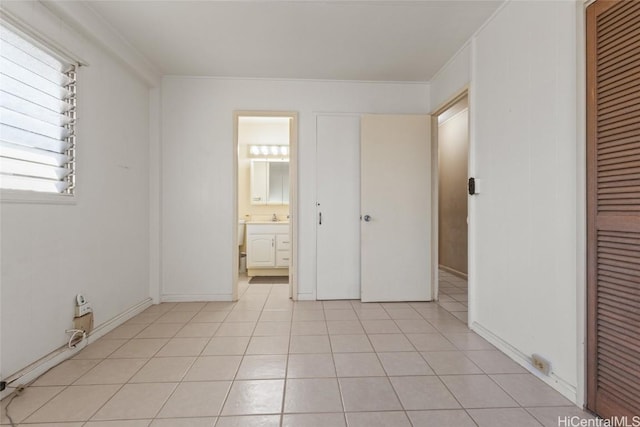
column 367, row 218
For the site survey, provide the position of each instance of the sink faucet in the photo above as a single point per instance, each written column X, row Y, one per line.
column 274, row 218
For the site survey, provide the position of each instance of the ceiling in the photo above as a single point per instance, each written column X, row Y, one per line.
column 339, row 40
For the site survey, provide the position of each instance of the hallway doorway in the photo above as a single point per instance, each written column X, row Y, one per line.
column 265, row 202
column 452, row 205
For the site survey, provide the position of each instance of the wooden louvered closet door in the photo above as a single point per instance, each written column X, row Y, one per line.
column 613, row 207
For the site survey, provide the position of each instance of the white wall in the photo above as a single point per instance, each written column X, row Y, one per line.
column 452, row 78
column 197, row 213
column 524, row 149
column 98, row 246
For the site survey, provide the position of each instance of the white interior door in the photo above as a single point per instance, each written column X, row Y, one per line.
column 338, row 210
column 396, row 208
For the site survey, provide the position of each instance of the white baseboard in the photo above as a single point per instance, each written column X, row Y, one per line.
column 306, row 297
column 39, row 367
column 114, row 322
column 454, row 272
column 195, row 297
column 559, row 384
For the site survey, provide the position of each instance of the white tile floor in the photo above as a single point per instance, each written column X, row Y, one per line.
column 266, row 361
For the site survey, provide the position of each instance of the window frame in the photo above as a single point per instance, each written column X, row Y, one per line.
column 25, row 31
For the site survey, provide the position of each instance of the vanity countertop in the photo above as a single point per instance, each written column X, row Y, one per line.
column 268, row 222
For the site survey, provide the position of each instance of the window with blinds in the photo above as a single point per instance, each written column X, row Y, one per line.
column 37, row 117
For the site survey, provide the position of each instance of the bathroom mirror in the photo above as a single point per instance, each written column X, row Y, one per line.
column 269, row 182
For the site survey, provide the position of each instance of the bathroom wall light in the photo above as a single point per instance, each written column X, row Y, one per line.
column 269, row 150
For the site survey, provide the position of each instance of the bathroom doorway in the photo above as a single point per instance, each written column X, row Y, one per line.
column 265, row 147
column 452, row 201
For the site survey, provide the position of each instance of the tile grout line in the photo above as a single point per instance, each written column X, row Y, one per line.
column 126, row 383
column 335, row 367
column 395, row 392
column 286, row 367
column 445, row 385
column 195, row 359
column 235, row 376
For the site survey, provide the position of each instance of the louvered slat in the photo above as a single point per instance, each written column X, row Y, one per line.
column 623, row 386
column 617, row 85
column 618, row 106
column 619, row 189
column 620, row 357
column 609, row 20
column 626, row 147
column 619, row 396
column 617, row 275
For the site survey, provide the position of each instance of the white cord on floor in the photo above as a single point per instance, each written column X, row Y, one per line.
column 73, row 333
column 21, row 389
column 16, row 393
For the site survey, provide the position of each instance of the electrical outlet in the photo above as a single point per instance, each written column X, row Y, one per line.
column 83, row 309
column 541, row 364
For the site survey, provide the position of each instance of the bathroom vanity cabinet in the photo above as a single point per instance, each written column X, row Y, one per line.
column 268, row 247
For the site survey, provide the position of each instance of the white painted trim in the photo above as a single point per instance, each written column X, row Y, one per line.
column 451, row 60
column 235, row 252
column 195, row 297
column 34, row 197
column 581, row 204
column 454, row 271
column 39, row 367
column 306, row 297
column 282, row 79
column 561, row 385
column 493, row 16
column 85, row 20
column 14, row 22
column 294, row 129
column 116, row 321
column 472, row 232
column 155, row 194
column 466, row 110
column 435, row 209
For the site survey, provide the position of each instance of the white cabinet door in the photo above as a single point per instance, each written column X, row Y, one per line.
column 259, row 177
column 338, row 210
column 396, row 208
column 260, row 250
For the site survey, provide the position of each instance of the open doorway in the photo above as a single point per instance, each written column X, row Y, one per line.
column 265, row 200
column 453, row 167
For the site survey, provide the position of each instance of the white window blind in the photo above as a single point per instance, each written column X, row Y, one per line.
column 37, row 117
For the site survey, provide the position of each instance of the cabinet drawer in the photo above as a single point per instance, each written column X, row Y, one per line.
column 282, row 259
column 283, row 242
